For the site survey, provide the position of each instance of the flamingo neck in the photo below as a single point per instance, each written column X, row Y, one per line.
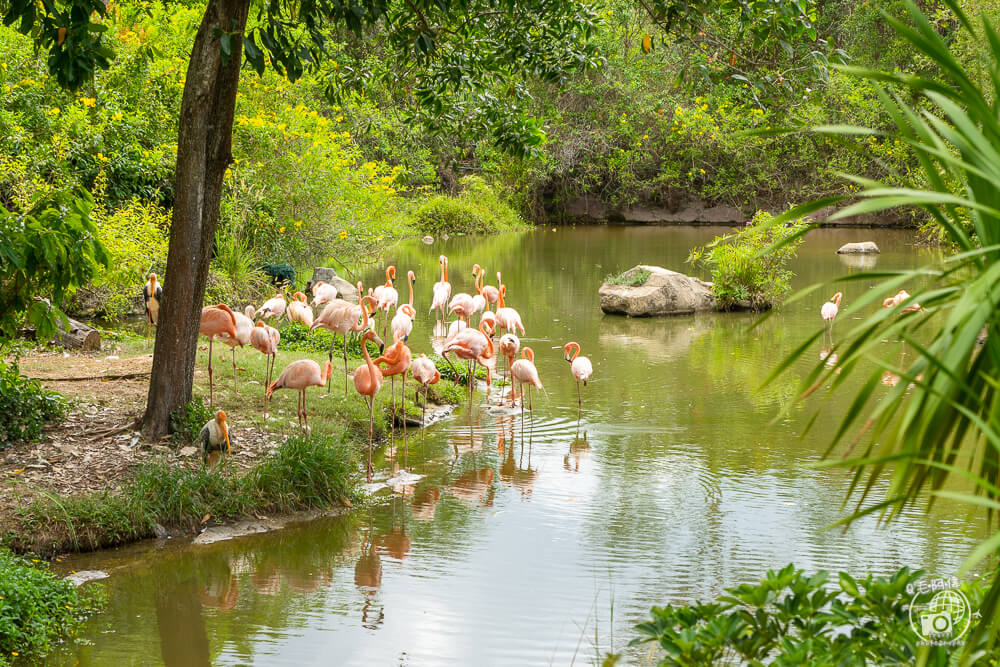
column 576, row 350
column 364, row 312
column 500, row 303
column 445, row 269
column 409, row 280
column 368, row 359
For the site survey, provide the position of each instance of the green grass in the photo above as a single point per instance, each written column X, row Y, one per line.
column 632, row 278
column 37, row 608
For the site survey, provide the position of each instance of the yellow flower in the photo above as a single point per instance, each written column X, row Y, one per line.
column 702, row 170
column 298, row 223
column 343, row 235
column 117, row 116
column 88, row 101
column 281, row 230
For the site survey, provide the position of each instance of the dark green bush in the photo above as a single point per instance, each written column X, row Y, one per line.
column 186, row 423
column 477, row 210
column 37, row 608
column 305, row 472
column 25, row 406
column 743, row 275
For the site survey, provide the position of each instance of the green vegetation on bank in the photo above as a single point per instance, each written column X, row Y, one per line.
column 631, row 278
column 37, row 608
column 25, row 407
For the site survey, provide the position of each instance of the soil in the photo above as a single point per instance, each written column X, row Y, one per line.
column 97, row 446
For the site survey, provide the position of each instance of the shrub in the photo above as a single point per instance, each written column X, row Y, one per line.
column 24, row 407
column 634, row 277
column 186, row 423
column 742, row 274
column 305, row 472
column 37, row 608
column 793, row 619
column 477, row 210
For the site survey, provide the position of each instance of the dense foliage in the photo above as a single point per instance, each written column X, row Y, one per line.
column 743, row 274
column 25, row 407
column 791, row 618
column 37, row 608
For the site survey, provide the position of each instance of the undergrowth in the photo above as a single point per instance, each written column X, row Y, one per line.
column 633, row 277
column 25, row 407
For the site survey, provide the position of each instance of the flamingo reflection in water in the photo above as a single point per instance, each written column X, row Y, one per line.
column 578, row 449
column 368, row 578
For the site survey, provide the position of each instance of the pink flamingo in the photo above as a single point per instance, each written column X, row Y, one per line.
column 300, row 311
column 580, row 367
column 478, row 300
column 368, row 381
column 387, row 297
column 509, row 345
column 523, row 370
column 343, row 319
column 397, row 358
column 901, row 296
column 508, row 318
column 425, row 373
column 300, row 375
column 273, row 307
column 265, row 340
column 216, row 322
column 472, row 345
column 403, row 320
column 829, row 311
column 244, row 327
column 323, row 293
column 489, row 292
column 462, row 305
column 442, row 289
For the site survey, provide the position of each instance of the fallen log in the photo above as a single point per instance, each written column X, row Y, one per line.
column 78, row 337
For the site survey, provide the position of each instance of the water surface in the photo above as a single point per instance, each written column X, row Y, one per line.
column 545, row 541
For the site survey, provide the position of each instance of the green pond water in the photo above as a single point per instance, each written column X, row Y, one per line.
column 544, row 542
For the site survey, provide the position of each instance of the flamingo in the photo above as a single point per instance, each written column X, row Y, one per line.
column 523, row 370
column 829, row 311
column 213, row 434
column 343, row 319
column 508, row 318
column 152, row 294
column 425, row 373
column 299, row 310
column 901, row 296
column 442, row 289
column 478, row 300
column 299, row 375
column 265, row 339
column 244, row 327
column 580, row 367
column 323, row 293
column 472, row 345
column 402, row 323
column 387, row 297
column 397, row 358
column 216, row 322
column 368, row 381
column 509, row 345
column 462, row 305
column 273, row 307
column 489, row 292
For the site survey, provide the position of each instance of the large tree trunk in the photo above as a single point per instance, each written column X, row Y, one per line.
column 204, row 145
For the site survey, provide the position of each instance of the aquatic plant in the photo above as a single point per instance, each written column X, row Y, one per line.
column 632, row 278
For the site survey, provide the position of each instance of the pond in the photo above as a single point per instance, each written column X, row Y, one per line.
column 544, row 542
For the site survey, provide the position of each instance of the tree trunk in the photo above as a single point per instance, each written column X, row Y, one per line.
column 204, row 146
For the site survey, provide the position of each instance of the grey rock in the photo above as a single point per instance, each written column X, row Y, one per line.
column 862, row 248
column 160, row 531
column 83, row 576
column 428, row 239
column 345, row 290
column 664, row 293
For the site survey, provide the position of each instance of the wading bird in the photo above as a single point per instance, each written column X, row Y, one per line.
column 475, row 346
column 214, row 434
column 508, row 346
column 580, row 367
column 343, row 319
column 523, row 370
column 829, row 312
column 323, row 293
column 397, row 358
column 216, row 322
column 489, row 292
column 478, row 300
column 300, row 311
column 425, row 373
column 368, row 381
column 462, row 305
column 442, row 290
column 273, row 307
column 265, row 339
column 901, row 296
column 387, row 297
column 507, row 318
column 300, row 375
column 152, row 294
column 402, row 323
column 244, row 328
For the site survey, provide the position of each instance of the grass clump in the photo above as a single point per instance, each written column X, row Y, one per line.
column 37, row 608
column 296, row 337
column 634, row 277
column 25, row 406
column 743, row 276
column 304, row 473
column 186, row 422
column 478, row 209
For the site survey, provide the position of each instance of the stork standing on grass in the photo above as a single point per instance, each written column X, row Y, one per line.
column 214, row 434
column 152, row 294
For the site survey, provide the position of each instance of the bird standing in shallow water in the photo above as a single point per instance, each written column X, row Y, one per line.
column 523, row 370
column 509, row 345
column 425, row 373
column 152, row 294
column 300, row 375
column 368, row 382
column 829, row 312
column 213, row 435
column 580, row 367
column 397, row 358
column 442, row 293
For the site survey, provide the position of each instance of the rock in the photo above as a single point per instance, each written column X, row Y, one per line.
column 323, row 274
column 238, row 529
column 428, row 239
column 188, row 451
column 160, row 531
column 863, row 248
column 83, row 576
column 664, row 293
column 345, row 290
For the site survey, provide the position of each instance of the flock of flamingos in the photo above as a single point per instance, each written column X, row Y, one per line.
column 471, row 344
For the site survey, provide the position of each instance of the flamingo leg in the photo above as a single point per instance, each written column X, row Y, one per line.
column 211, row 393
column 371, row 433
column 423, row 422
column 579, row 397
column 345, row 363
column 235, row 388
column 392, row 422
column 305, row 414
column 402, row 401
column 521, row 385
column 329, row 380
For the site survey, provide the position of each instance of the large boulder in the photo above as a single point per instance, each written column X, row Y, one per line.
column 863, row 248
column 665, row 292
column 345, row 290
